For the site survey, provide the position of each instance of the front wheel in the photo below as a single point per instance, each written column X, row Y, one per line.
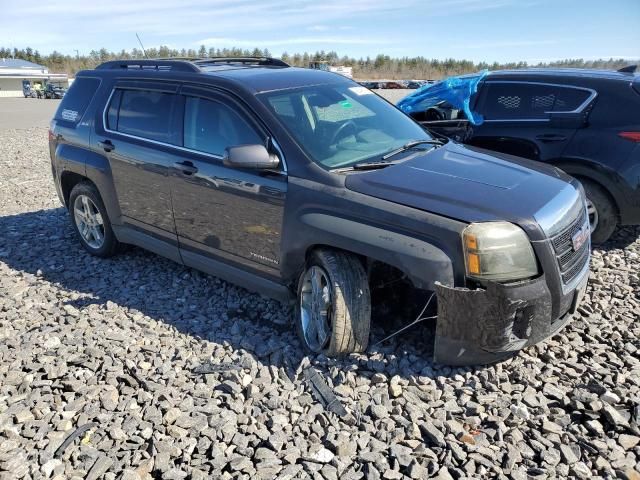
column 601, row 210
column 333, row 313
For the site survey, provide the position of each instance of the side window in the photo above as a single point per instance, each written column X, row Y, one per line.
column 77, row 99
column 114, row 108
column 143, row 113
column 211, row 126
column 525, row 101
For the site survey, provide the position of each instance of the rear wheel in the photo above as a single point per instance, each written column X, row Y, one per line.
column 90, row 221
column 602, row 212
column 333, row 313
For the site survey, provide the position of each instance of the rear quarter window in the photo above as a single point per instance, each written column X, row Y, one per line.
column 523, row 101
column 76, row 101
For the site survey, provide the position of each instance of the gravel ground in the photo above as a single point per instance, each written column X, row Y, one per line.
column 111, row 346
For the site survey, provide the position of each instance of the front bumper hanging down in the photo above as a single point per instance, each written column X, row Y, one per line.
column 484, row 326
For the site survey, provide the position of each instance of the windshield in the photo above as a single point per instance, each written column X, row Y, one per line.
column 341, row 125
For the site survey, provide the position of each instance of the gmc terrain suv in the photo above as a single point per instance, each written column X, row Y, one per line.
column 586, row 122
column 302, row 184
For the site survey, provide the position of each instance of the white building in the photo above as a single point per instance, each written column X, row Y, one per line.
column 15, row 73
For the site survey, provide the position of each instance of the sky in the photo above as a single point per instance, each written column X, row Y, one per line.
column 478, row 30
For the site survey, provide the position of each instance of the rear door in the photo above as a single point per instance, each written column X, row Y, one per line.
column 530, row 119
column 139, row 136
column 229, row 213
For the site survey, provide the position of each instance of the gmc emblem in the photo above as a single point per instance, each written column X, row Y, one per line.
column 581, row 236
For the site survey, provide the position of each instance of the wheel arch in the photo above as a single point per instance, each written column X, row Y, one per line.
column 423, row 263
column 68, row 180
column 603, row 177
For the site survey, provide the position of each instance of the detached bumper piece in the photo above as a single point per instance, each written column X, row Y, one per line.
column 484, row 326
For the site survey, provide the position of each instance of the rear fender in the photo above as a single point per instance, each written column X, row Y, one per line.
column 609, row 179
column 98, row 170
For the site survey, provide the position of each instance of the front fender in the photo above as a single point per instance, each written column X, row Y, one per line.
column 424, row 246
column 424, row 263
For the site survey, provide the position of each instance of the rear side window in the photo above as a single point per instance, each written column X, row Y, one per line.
column 142, row 113
column 524, row 101
column 77, row 99
column 211, row 126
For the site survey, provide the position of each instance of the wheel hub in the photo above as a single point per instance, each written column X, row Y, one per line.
column 316, row 308
column 593, row 215
column 89, row 221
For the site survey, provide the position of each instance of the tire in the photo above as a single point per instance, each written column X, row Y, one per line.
column 108, row 244
column 604, row 211
column 349, row 315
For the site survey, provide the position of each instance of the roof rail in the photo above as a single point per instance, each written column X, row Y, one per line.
column 178, row 65
column 264, row 61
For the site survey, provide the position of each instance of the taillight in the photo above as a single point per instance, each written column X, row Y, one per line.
column 633, row 136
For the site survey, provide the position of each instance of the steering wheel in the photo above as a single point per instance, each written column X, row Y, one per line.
column 340, row 132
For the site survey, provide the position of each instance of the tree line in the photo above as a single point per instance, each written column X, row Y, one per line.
column 378, row 67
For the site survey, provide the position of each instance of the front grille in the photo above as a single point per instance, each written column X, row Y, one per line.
column 570, row 261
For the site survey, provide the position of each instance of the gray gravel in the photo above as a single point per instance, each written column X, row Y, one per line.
column 115, row 342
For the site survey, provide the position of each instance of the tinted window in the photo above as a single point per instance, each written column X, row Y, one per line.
column 211, row 126
column 77, row 99
column 527, row 101
column 142, row 113
column 112, row 113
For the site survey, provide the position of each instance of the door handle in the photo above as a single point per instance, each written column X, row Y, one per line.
column 551, row 137
column 186, row 167
column 107, row 146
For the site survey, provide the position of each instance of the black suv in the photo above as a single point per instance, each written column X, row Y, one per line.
column 304, row 185
column 586, row 122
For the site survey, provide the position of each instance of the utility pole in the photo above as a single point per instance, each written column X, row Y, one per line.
column 77, row 54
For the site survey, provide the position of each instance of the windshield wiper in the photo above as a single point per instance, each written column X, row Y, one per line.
column 371, row 165
column 410, row 145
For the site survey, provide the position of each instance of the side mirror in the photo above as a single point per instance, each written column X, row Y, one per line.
column 250, row 156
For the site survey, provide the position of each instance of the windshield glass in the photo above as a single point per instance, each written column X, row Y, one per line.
column 341, row 125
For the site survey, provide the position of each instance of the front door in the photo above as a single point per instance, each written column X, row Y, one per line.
column 234, row 215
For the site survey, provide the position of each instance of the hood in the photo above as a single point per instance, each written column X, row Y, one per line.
column 469, row 184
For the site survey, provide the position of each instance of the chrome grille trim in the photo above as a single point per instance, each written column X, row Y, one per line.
column 571, row 262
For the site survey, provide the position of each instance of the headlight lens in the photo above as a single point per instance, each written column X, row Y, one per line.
column 498, row 251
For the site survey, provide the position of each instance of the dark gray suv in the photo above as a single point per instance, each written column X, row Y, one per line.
column 304, row 185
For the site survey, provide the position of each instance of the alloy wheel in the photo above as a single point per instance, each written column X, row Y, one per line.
column 316, row 308
column 592, row 211
column 89, row 221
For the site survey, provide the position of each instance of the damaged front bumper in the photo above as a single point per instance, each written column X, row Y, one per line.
column 484, row 326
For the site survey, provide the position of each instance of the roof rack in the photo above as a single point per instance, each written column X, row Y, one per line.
column 160, row 64
column 263, row 61
column 187, row 64
column 628, row 69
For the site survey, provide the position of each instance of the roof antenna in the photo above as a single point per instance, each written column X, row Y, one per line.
column 142, row 46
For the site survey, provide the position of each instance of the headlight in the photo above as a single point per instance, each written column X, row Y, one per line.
column 498, row 251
